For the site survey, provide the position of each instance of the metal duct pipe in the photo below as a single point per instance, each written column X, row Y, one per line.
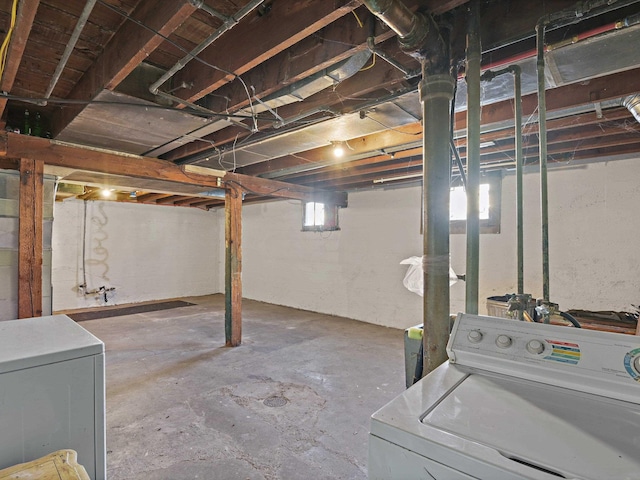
column 632, row 103
column 412, row 28
column 436, row 93
column 395, row 14
column 472, row 76
column 229, row 23
column 203, row 6
column 82, row 21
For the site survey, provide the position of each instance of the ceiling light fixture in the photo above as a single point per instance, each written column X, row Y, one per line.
column 106, row 192
column 338, row 149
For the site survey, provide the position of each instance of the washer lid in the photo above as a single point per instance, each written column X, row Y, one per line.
column 32, row 342
column 560, row 431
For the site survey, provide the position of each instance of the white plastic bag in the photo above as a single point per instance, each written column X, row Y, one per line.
column 414, row 278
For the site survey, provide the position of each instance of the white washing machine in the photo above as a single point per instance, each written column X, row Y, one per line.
column 517, row 400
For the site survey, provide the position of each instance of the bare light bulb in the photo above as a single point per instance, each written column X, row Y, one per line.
column 106, row 193
column 338, row 151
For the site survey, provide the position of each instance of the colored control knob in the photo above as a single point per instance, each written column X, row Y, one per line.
column 535, row 346
column 474, row 336
column 503, row 341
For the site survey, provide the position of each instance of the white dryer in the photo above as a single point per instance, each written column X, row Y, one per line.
column 52, row 392
column 517, row 400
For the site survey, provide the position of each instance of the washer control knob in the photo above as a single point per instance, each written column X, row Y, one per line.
column 503, row 341
column 636, row 364
column 535, row 346
column 474, row 336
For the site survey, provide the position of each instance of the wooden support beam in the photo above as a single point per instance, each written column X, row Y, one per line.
column 24, row 21
column 10, row 163
column 92, row 160
column 233, row 267
column 273, row 188
column 30, row 238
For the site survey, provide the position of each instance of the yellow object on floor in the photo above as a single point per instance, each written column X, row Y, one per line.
column 60, row 465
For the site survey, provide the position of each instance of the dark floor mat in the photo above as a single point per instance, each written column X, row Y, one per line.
column 117, row 312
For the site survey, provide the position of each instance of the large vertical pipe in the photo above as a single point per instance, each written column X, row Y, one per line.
column 519, row 170
column 472, row 76
column 436, row 93
column 420, row 36
column 542, row 134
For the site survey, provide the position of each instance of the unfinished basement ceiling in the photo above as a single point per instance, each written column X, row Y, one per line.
column 274, row 107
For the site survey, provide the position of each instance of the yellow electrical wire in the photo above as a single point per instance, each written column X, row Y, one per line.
column 357, row 18
column 5, row 43
column 373, row 64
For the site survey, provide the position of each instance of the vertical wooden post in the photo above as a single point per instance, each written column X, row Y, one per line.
column 233, row 266
column 30, row 238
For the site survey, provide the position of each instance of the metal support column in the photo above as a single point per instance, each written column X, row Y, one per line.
column 474, row 54
column 517, row 73
column 542, row 134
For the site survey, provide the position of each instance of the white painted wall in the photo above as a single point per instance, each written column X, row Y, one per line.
column 157, row 252
column 146, row 252
column 355, row 272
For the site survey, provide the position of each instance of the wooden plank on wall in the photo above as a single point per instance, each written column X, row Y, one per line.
column 30, row 238
column 233, row 267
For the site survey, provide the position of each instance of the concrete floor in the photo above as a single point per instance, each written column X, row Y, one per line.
column 182, row 406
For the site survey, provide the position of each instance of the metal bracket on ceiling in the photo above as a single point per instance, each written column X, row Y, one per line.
column 598, row 108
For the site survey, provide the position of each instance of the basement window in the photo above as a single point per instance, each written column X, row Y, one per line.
column 319, row 217
column 490, row 197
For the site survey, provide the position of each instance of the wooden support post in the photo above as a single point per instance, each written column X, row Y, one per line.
column 233, row 266
column 30, row 240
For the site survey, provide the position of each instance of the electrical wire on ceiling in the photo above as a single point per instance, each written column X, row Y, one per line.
column 4, row 49
column 373, row 63
column 188, row 53
column 69, row 101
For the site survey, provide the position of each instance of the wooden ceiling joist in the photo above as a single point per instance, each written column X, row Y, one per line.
column 286, row 24
column 125, row 51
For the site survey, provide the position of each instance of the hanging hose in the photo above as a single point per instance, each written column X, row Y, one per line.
column 570, row 318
